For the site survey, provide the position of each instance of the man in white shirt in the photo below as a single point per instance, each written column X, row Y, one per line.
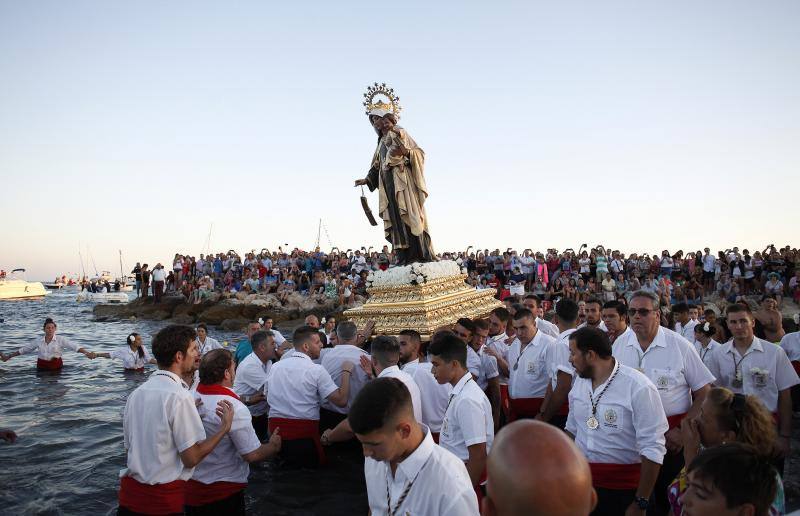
column 749, row 365
column 594, row 318
column 555, row 407
column 434, row 395
column 684, row 325
column 497, row 347
column 618, row 422
column 481, row 365
column 709, row 262
column 159, row 277
column 345, row 350
column 218, row 483
column 406, row 473
column 615, row 317
column 791, row 345
column 468, row 427
column 251, row 380
column 532, row 358
column 673, row 365
column 154, row 481
column 533, row 303
column 204, row 342
column 295, row 388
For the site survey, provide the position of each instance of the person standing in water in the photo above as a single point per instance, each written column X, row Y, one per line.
column 134, row 355
column 49, row 349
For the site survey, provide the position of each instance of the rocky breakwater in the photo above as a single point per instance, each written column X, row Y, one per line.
column 226, row 311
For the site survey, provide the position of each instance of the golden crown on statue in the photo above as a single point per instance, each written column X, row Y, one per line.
column 387, row 102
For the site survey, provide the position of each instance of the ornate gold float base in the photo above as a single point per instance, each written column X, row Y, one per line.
column 423, row 308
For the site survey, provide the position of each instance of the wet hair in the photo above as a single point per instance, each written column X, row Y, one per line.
column 467, row 324
column 131, row 339
column 302, row 335
column 260, row 337
column 49, row 321
column 523, row 314
column 377, row 404
column 740, row 473
column 449, row 347
column 591, row 339
column 501, row 313
column 738, row 308
column 203, row 326
column 213, row 366
column 481, row 324
column 386, row 350
column 413, row 334
column 701, row 328
column 621, row 309
column 746, row 416
column 346, row 330
column 171, row 340
column 567, row 311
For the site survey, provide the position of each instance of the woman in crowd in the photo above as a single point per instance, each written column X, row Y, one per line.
column 133, row 355
column 704, row 341
column 49, row 349
column 726, row 417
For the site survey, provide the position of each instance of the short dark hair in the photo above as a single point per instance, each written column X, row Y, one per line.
column 567, row 311
column 740, row 473
column 535, row 298
column 169, row 341
column 523, row 314
column 260, row 337
column 738, row 307
column 449, row 347
column 377, row 403
column 213, row 366
column 202, row 325
column 385, row 349
column 595, row 300
column 467, row 324
column 591, row 339
column 481, row 324
column 621, row 309
column 303, row 334
column 501, row 313
column 680, row 308
column 413, row 334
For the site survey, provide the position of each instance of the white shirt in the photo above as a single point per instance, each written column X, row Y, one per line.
column 207, row 345
column 622, row 336
column 562, row 362
column 671, row 363
column 49, row 350
column 251, row 378
column 631, row 417
column 468, row 419
column 498, row 344
column 709, row 261
column 482, row 366
column 687, row 332
column 791, row 345
column 530, row 370
column 765, row 370
column 161, row 407
column 601, row 326
column 705, row 352
column 278, row 338
column 225, row 463
column 547, row 327
column 434, row 395
column 441, row 483
column 413, row 389
column 159, row 275
column 130, row 358
column 296, row 387
column 332, row 359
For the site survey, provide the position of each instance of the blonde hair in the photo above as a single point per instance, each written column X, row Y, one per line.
column 749, row 419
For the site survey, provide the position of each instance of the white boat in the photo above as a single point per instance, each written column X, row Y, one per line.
column 16, row 287
column 103, row 297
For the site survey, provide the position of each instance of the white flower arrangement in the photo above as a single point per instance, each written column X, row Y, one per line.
column 414, row 274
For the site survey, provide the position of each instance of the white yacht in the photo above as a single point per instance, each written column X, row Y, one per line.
column 14, row 286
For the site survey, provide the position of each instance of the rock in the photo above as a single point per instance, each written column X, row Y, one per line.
column 218, row 313
column 234, row 324
column 157, row 315
column 183, row 319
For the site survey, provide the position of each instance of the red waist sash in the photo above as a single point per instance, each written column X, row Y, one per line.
column 523, row 407
column 152, row 498
column 674, row 421
column 292, row 429
column 615, row 476
column 135, row 369
column 54, row 364
column 504, row 398
column 198, row 493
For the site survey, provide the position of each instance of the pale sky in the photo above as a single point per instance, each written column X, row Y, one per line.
column 640, row 125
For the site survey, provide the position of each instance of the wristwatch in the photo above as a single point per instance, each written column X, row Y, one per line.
column 641, row 502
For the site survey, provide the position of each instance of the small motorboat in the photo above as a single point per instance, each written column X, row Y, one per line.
column 102, row 297
column 14, row 286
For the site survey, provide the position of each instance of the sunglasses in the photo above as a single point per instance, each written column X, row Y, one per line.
column 643, row 312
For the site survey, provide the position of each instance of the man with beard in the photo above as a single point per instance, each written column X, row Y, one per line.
column 593, row 315
column 615, row 317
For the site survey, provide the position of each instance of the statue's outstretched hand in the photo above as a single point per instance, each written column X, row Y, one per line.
column 360, row 182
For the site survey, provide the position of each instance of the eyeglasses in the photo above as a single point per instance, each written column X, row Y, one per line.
column 643, row 312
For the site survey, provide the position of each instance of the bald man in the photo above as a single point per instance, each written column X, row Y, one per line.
column 534, row 468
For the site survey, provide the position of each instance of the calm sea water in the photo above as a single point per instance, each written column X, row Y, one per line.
column 70, row 451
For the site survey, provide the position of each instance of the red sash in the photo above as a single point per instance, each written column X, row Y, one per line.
column 523, row 407
column 615, row 476
column 293, row 429
column 198, row 493
column 215, row 389
column 796, row 365
column 435, row 436
column 152, row 498
column 504, row 398
column 674, row 421
column 54, row 364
